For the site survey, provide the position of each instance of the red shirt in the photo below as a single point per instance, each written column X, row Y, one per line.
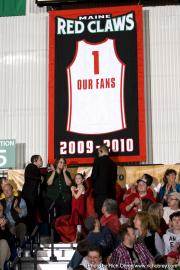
column 130, row 198
column 112, row 222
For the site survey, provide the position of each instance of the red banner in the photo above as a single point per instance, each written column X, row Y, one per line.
column 96, row 83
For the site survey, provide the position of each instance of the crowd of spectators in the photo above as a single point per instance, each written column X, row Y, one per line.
column 140, row 232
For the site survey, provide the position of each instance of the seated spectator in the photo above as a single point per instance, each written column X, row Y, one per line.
column 93, row 260
column 172, row 236
column 81, row 251
column 130, row 252
column 156, row 211
column 132, row 203
column 4, row 239
column 169, row 186
column 110, row 218
column 100, row 236
column 147, row 233
column 15, row 211
column 173, row 200
column 3, row 182
column 133, row 188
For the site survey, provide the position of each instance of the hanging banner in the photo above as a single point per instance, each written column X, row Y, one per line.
column 96, row 84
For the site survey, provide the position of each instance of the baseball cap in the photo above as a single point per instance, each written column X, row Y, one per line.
column 142, row 180
column 175, row 194
column 146, row 178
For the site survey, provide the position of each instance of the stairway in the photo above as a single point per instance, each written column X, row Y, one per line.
column 62, row 252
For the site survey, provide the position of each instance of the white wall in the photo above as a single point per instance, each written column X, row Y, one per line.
column 23, row 81
column 164, row 30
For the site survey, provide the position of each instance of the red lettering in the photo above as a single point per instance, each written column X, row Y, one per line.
column 102, row 83
column 84, row 84
column 79, row 84
column 107, row 82
column 97, row 83
column 113, row 82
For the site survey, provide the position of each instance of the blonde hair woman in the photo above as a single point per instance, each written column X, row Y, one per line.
column 147, row 231
column 156, row 211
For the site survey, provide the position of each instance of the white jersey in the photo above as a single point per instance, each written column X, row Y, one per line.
column 96, row 89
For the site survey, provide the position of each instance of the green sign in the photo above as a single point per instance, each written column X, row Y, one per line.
column 7, row 154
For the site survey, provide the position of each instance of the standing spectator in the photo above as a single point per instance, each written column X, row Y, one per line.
column 172, row 236
column 110, row 218
column 4, row 238
column 15, row 210
column 78, row 202
column 58, row 190
column 31, row 189
column 104, row 175
column 133, row 202
column 130, row 252
column 169, row 186
column 173, row 200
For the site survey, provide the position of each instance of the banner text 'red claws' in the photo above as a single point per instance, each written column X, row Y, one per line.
column 117, row 24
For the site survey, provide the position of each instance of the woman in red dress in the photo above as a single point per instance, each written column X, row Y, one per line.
column 78, row 202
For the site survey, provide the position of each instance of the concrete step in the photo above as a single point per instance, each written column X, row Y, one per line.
column 61, row 254
column 45, row 266
column 61, row 251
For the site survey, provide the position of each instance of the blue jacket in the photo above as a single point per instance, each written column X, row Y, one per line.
column 163, row 190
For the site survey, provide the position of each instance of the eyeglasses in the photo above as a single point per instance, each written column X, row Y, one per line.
column 173, row 199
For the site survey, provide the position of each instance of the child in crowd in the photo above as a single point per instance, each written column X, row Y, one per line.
column 78, row 202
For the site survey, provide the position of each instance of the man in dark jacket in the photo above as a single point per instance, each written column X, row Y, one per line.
column 31, row 189
column 104, row 175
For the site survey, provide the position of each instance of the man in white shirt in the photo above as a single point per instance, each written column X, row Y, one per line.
column 93, row 260
column 172, row 236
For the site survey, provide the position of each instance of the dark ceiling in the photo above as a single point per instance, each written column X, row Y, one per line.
column 56, row 4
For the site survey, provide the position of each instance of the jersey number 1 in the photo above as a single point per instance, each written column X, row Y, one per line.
column 96, row 61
